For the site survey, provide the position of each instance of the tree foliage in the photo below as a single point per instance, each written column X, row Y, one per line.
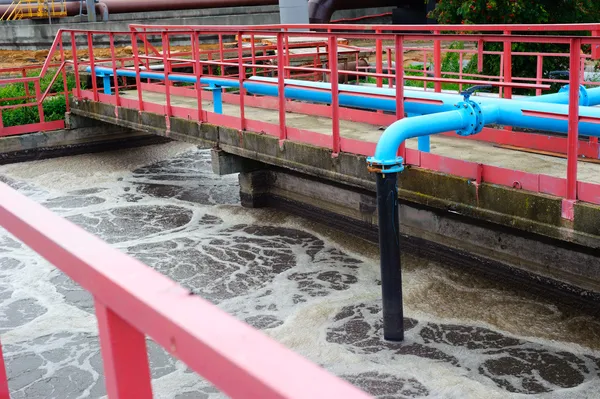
column 520, row 12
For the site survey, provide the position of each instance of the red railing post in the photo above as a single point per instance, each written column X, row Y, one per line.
column 124, row 355
column 480, row 45
column 252, row 50
column 437, row 62
column 335, row 103
column 4, row 391
column 64, row 72
column 136, row 66
column 399, row 49
column 379, row 59
column 92, row 64
column 198, row 72
column 573, row 135
column 241, row 78
column 167, row 70
column 76, row 66
column 24, row 74
column 38, row 98
column 221, row 54
column 146, row 51
column 507, row 52
column 113, row 59
column 281, row 87
column 389, row 70
column 596, row 46
column 539, row 73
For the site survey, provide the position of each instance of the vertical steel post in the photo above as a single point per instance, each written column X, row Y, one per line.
column 389, row 247
column 124, row 356
column 379, row 58
column 335, row 103
column 136, row 65
column 281, row 87
column 76, row 66
column 399, row 50
column 92, row 64
column 573, row 139
column 437, row 62
column 4, row 392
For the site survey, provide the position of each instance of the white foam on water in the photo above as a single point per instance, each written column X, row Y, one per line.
column 262, row 265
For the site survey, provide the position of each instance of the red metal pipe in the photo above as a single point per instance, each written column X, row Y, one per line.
column 320, row 11
column 132, row 6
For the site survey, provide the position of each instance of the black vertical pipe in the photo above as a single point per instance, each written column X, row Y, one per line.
column 389, row 247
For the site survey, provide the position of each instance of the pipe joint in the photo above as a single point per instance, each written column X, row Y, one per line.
column 474, row 117
column 584, row 98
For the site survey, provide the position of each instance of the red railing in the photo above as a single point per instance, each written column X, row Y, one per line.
column 133, row 301
column 282, row 57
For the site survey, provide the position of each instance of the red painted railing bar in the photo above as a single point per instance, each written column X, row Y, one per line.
column 437, row 62
column 281, row 87
column 167, row 71
column 596, row 46
column 399, row 55
column 539, row 73
column 136, row 65
column 238, row 359
column 572, row 152
column 4, row 392
column 198, row 72
column 113, row 59
column 241, row 77
column 335, row 104
column 507, row 65
column 480, row 45
column 379, row 58
column 24, row 74
column 39, row 99
column 76, row 66
column 63, row 61
column 221, row 53
column 253, row 51
column 124, row 356
column 389, row 69
column 92, row 64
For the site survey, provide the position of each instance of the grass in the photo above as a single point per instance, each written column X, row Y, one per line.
column 54, row 106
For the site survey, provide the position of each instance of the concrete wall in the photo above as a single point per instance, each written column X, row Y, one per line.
column 81, row 136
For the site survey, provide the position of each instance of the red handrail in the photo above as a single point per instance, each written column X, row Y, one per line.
column 133, row 300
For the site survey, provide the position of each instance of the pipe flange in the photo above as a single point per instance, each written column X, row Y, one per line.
column 475, row 116
column 584, row 99
column 378, row 166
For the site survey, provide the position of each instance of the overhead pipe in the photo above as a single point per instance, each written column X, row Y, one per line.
column 133, row 6
column 320, row 11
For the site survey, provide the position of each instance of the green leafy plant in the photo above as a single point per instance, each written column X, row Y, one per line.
column 521, row 12
column 54, row 106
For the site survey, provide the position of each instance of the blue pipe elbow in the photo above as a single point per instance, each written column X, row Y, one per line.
column 385, row 160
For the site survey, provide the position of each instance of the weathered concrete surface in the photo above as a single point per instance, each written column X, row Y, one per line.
column 429, row 231
column 466, row 150
column 521, row 230
column 82, row 135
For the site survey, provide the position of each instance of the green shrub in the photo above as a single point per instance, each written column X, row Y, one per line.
column 519, row 12
column 54, row 106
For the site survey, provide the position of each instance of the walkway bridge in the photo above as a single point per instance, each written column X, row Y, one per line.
column 520, row 203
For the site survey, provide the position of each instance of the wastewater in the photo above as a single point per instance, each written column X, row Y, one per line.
column 314, row 289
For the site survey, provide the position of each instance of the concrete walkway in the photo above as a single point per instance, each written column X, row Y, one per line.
column 457, row 148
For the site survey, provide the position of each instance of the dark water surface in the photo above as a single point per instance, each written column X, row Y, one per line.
column 313, row 289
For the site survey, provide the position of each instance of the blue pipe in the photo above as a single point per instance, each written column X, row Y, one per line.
column 511, row 115
column 462, row 119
